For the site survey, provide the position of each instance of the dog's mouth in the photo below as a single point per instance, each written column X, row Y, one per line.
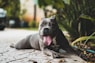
column 47, row 40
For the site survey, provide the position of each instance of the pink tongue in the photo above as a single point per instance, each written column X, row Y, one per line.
column 47, row 40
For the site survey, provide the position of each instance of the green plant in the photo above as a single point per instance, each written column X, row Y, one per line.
column 86, row 47
column 78, row 18
column 84, row 38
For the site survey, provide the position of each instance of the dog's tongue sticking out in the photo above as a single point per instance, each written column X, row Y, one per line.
column 47, row 40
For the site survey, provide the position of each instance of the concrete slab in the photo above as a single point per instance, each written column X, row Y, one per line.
column 11, row 55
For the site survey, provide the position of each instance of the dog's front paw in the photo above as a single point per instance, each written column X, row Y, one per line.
column 52, row 54
column 48, row 53
column 57, row 55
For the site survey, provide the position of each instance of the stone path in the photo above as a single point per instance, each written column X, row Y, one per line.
column 11, row 55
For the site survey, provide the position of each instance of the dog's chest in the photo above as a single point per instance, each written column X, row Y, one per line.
column 54, row 45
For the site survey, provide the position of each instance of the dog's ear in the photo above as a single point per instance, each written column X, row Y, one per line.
column 53, row 17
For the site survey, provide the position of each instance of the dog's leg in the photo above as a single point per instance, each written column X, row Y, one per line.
column 22, row 44
column 53, row 54
column 43, row 49
column 47, row 51
column 41, row 46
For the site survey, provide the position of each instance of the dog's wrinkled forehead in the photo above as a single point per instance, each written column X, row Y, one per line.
column 47, row 20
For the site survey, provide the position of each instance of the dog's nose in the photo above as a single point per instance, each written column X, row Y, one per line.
column 46, row 31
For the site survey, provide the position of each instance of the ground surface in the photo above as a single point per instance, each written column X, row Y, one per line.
column 11, row 55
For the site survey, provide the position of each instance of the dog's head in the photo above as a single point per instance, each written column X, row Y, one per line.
column 48, row 29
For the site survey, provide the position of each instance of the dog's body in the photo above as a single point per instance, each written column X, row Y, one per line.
column 49, row 37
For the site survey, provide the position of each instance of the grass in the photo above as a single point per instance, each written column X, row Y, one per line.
column 28, row 28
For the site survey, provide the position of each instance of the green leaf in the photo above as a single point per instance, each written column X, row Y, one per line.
column 67, row 1
column 82, row 39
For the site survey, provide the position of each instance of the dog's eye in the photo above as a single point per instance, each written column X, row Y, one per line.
column 44, row 23
column 51, row 24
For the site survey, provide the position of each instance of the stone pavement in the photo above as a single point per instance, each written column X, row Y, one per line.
column 11, row 55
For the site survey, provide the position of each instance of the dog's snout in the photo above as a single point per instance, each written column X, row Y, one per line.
column 46, row 31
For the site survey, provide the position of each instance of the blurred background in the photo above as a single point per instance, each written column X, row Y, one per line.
column 22, row 13
column 77, row 17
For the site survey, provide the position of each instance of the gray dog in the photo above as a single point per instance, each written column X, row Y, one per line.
column 49, row 37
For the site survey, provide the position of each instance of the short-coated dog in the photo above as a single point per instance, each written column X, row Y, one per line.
column 49, row 37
